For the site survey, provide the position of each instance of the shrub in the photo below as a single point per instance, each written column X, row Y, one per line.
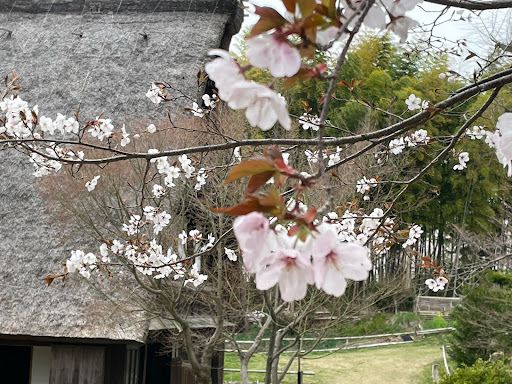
column 482, row 372
column 483, row 320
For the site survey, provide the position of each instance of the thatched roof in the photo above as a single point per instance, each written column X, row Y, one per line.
column 104, row 55
column 67, row 55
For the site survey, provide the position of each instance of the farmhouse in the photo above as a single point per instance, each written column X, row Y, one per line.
column 93, row 56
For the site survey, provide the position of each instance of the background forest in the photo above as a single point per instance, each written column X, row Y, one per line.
column 464, row 214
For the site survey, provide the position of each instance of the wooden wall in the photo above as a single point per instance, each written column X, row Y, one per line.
column 77, row 365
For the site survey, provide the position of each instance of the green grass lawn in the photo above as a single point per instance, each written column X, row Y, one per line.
column 395, row 364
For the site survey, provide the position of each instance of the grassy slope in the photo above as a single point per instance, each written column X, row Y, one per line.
column 398, row 364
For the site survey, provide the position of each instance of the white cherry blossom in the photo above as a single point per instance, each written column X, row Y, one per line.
column 413, row 102
column 91, row 184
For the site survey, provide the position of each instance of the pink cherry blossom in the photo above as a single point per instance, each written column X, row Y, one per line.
column 264, row 106
column 291, row 269
column 251, row 232
column 334, row 262
column 224, row 71
column 268, row 51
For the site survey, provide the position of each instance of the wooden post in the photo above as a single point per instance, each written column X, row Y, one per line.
column 435, row 373
column 445, row 361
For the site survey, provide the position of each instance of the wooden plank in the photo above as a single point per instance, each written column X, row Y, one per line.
column 77, row 365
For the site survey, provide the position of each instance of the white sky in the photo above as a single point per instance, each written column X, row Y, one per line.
column 495, row 23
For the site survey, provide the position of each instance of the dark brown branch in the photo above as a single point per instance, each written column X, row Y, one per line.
column 475, row 5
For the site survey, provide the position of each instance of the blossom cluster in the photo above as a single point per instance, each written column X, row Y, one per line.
column 396, row 146
column 309, row 122
column 210, row 102
column 500, row 139
column 437, row 284
column 263, row 106
column 171, row 173
column 463, row 159
column 414, row 234
column 364, row 185
column 388, row 14
column 274, row 257
column 148, row 257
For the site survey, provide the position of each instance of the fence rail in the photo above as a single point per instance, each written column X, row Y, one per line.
column 353, row 339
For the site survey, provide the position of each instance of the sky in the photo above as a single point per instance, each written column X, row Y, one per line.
column 495, row 23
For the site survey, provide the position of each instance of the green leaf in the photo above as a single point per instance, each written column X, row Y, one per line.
column 307, row 7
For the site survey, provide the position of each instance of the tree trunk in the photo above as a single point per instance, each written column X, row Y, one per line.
column 244, row 371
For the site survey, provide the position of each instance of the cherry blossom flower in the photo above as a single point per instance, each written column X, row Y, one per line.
column 437, row 284
column 195, row 235
column 71, row 125
column 276, row 54
column 201, row 179
column 102, row 129
column 158, row 191
column 183, row 237
column 477, row 132
column 196, row 111
column 365, row 184
column 309, row 122
column 230, row 254
column 90, row 185
column 264, row 106
column 151, row 128
column 154, row 94
column 325, row 36
column 251, row 231
column 417, row 137
column 414, row 234
column 504, row 143
column 210, row 101
column 399, row 8
column 133, row 225
column 334, row 157
column 413, row 102
column 237, row 155
column 463, row 159
column 126, row 139
column 396, row 146
column 334, row 262
column 47, row 125
column 291, row 269
column 224, row 71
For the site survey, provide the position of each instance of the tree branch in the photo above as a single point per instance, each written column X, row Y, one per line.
column 475, row 5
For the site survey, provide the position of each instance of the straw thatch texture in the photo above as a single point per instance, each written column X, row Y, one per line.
column 100, row 62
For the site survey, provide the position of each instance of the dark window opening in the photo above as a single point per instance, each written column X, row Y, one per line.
column 15, row 364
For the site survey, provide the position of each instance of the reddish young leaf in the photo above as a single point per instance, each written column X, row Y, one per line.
column 256, row 181
column 249, row 167
column 303, row 74
column 269, row 13
column 243, row 208
column 263, row 25
column 343, row 83
column 290, row 5
column 310, row 215
column 272, row 201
